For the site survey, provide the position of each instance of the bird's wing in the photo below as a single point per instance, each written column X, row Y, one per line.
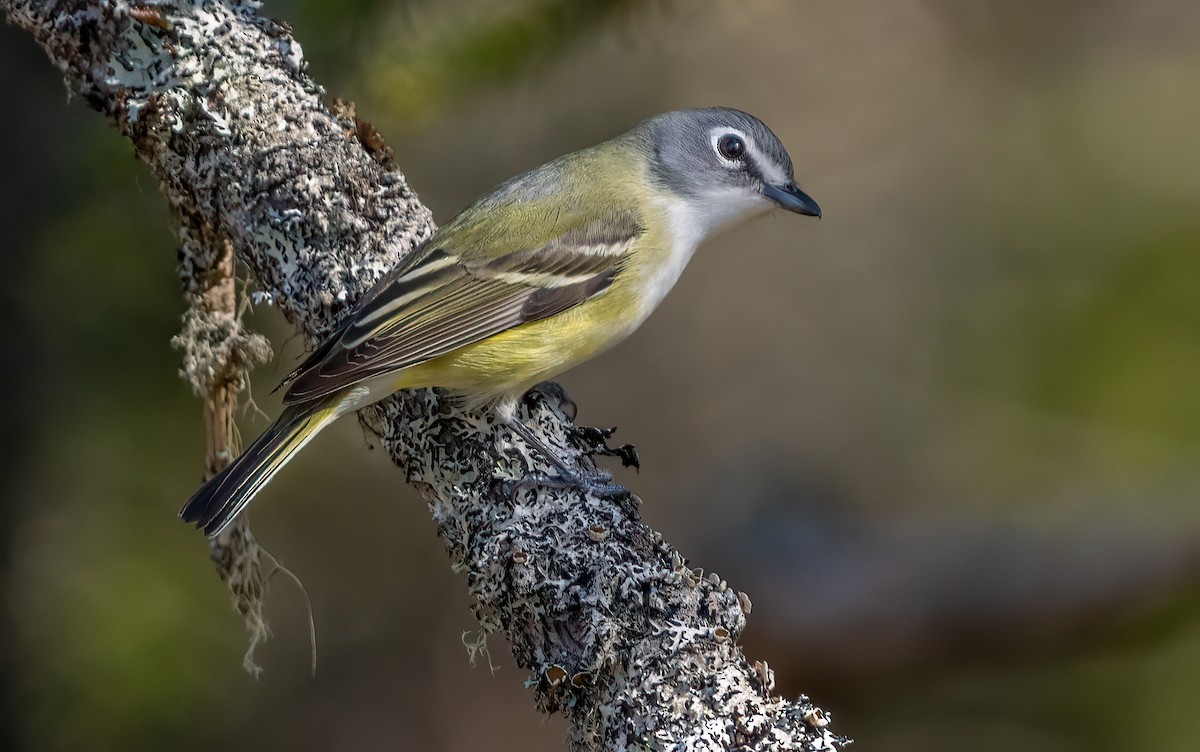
column 441, row 302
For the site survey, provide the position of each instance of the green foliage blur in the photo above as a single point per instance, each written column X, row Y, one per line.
column 947, row 438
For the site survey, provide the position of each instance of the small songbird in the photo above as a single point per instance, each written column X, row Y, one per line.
column 547, row 270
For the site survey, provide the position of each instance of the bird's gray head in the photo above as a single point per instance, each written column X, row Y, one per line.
column 725, row 163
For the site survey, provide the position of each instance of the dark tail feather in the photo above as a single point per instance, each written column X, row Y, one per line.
column 224, row 496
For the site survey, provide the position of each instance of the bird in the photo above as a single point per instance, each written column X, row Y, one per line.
column 547, row 270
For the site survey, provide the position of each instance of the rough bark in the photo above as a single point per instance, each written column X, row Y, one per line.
column 639, row 650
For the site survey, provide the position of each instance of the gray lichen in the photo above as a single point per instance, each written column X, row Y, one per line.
column 216, row 346
column 638, row 650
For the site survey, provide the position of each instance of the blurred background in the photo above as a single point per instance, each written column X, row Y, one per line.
column 947, row 438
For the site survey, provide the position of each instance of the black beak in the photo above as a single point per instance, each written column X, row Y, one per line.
column 793, row 199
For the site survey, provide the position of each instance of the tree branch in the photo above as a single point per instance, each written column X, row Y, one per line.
column 638, row 650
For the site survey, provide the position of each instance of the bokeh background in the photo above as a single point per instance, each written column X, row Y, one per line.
column 947, row 438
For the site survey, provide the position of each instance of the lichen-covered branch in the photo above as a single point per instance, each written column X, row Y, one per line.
column 636, row 648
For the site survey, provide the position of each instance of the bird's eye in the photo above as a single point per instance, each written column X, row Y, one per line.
column 731, row 147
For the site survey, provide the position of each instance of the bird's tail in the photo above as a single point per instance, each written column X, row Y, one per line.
column 224, row 496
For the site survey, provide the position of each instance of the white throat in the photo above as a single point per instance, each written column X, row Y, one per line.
column 689, row 222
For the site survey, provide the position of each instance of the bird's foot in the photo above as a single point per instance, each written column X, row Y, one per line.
column 595, row 481
column 599, row 483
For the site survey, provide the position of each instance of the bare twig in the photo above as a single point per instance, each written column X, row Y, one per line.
column 617, row 632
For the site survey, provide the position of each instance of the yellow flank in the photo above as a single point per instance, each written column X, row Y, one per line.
column 516, row 359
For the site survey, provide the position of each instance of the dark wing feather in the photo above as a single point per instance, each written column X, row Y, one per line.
column 441, row 303
column 418, row 256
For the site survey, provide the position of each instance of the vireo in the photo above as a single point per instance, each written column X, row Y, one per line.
column 547, row 270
